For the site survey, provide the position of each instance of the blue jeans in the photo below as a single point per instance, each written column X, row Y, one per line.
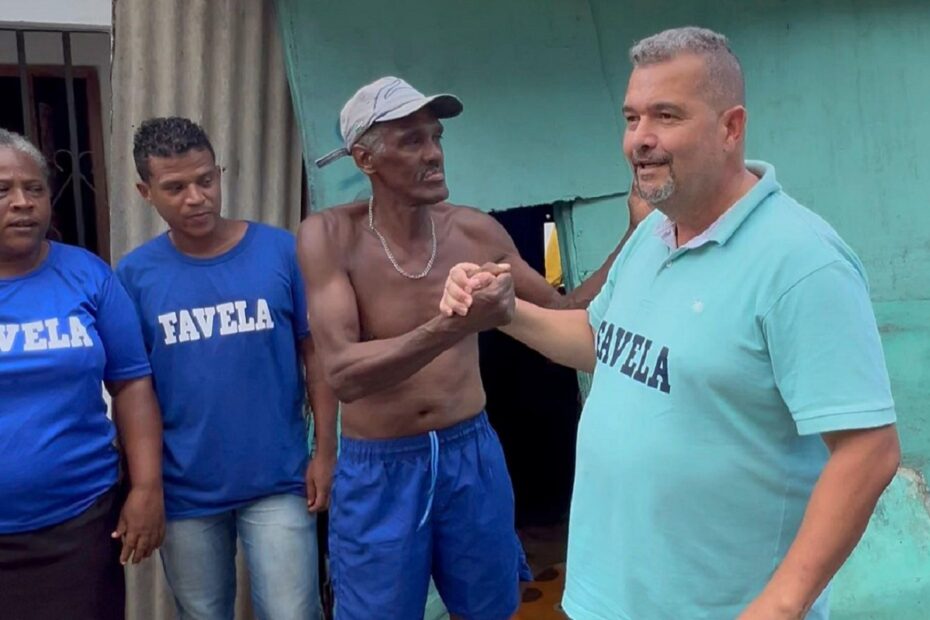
column 279, row 539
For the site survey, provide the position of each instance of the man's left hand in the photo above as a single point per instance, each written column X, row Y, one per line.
column 319, row 480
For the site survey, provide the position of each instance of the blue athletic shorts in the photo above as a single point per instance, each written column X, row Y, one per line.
column 438, row 504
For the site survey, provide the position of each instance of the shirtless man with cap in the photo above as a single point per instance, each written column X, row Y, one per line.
column 421, row 486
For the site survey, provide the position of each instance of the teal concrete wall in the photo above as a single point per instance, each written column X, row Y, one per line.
column 538, row 125
column 837, row 93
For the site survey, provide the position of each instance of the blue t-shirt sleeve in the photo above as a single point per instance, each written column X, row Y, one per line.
column 299, row 296
column 826, row 352
column 121, row 333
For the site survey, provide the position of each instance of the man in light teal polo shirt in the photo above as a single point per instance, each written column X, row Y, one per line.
column 740, row 425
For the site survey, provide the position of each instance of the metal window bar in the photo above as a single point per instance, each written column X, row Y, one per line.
column 24, row 85
column 28, row 125
column 73, row 140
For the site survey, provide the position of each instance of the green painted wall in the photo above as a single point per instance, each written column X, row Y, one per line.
column 837, row 93
column 538, row 124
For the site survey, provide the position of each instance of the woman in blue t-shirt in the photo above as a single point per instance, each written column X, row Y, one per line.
column 66, row 326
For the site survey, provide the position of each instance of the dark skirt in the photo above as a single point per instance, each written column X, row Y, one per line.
column 69, row 570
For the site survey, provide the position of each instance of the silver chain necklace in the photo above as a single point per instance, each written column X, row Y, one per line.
column 387, row 250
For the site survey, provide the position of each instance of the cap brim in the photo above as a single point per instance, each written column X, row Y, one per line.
column 331, row 157
column 443, row 106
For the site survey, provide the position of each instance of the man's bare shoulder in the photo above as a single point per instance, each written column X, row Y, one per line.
column 334, row 221
column 463, row 213
column 331, row 230
column 470, row 219
column 475, row 223
column 341, row 215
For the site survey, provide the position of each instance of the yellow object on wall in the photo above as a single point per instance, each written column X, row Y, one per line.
column 553, row 261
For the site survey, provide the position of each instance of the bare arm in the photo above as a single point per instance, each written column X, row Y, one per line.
column 554, row 325
column 533, row 287
column 324, row 406
column 585, row 292
column 564, row 336
column 356, row 369
column 323, row 401
column 528, row 283
column 861, row 464
column 138, row 421
column 582, row 295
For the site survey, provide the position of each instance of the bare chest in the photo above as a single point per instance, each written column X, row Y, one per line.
column 390, row 303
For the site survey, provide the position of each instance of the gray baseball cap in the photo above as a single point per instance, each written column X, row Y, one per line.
column 385, row 99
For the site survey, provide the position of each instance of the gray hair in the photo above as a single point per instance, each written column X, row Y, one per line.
column 724, row 74
column 14, row 141
column 373, row 138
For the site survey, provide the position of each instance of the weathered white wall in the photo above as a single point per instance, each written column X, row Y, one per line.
column 65, row 14
column 220, row 63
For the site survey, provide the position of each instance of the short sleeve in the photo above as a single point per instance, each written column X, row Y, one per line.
column 299, row 298
column 826, row 352
column 119, row 329
column 598, row 306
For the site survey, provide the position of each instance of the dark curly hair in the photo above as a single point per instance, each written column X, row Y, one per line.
column 167, row 137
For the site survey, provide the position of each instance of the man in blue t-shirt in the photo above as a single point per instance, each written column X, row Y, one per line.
column 740, row 425
column 224, row 318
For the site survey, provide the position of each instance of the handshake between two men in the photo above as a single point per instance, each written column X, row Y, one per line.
column 483, row 292
column 484, row 295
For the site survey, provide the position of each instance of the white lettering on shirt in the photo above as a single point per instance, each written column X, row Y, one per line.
column 168, row 321
column 187, row 331
column 44, row 335
column 235, row 317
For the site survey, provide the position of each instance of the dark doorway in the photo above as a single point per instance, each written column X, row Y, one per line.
column 50, row 127
column 533, row 403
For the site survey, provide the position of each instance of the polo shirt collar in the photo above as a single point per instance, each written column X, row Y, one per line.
column 731, row 219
